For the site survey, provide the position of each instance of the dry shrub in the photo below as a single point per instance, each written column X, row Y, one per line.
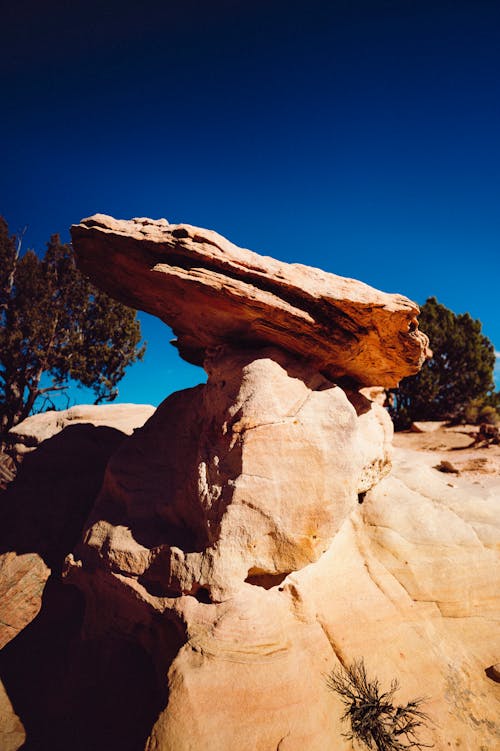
column 375, row 720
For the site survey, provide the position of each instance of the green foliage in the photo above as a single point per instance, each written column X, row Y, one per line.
column 460, row 371
column 478, row 412
column 375, row 721
column 54, row 322
column 488, row 415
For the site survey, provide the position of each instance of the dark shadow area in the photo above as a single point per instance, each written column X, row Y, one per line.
column 267, row 581
column 95, row 695
column 156, row 531
column 360, row 403
column 71, row 693
column 44, row 509
column 156, row 586
column 493, row 673
column 203, row 595
column 151, row 485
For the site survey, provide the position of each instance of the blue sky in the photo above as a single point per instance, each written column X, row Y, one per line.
column 358, row 136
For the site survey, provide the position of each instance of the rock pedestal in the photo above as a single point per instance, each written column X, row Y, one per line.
column 205, row 517
column 249, row 538
column 252, row 536
column 245, row 479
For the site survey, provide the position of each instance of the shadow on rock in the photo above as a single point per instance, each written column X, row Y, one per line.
column 67, row 691
column 44, row 509
column 78, row 694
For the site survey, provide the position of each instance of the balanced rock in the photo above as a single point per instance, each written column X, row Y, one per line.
column 249, row 538
column 212, row 292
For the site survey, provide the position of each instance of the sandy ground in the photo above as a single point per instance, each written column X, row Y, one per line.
column 453, row 446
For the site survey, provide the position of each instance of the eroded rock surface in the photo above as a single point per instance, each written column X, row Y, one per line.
column 42, row 512
column 12, row 735
column 251, row 537
column 246, row 478
column 405, row 576
column 212, row 292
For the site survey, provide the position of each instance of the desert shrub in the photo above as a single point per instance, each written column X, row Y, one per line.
column 488, row 415
column 375, row 720
column 471, row 411
column 477, row 412
column 55, row 327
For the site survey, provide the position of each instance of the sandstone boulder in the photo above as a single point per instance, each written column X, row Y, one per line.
column 33, row 430
column 22, row 580
column 12, row 735
column 42, row 511
column 212, row 292
column 427, row 426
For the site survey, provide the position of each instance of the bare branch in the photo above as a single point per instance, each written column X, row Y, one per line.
column 51, row 388
column 374, row 719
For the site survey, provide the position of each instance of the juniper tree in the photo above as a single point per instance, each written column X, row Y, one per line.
column 460, row 371
column 53, row 322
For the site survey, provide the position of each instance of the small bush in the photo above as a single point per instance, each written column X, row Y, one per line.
column 375, row 720
column 471, row 412
column 477, row 412
column 489, row 415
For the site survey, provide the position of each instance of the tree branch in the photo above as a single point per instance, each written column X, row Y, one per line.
column 51, row 388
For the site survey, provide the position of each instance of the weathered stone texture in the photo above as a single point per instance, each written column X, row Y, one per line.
column 212, row 292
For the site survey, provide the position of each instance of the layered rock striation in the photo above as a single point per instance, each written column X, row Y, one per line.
column 212, row 292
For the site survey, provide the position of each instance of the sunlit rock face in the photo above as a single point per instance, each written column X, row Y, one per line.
column 249, row 539
column 32, row 431
column 246, row 478
column 212, row 292
column 205, row 517
column 251, row 536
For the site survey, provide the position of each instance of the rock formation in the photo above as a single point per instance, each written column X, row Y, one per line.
column 41, row 517
column 50, row 500
column 251, row 537
column 211, row 292
column 31, row 432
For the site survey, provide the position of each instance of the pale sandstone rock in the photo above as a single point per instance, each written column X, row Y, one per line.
column 375, row 394
column 12, row 735
column 124, row 417
column 248, row 536
column 22, row 579
column 251, row 475
column 409, row 583
column 427, row 426
column 212, row 292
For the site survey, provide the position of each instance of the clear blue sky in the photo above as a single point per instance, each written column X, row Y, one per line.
column 362, row 137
